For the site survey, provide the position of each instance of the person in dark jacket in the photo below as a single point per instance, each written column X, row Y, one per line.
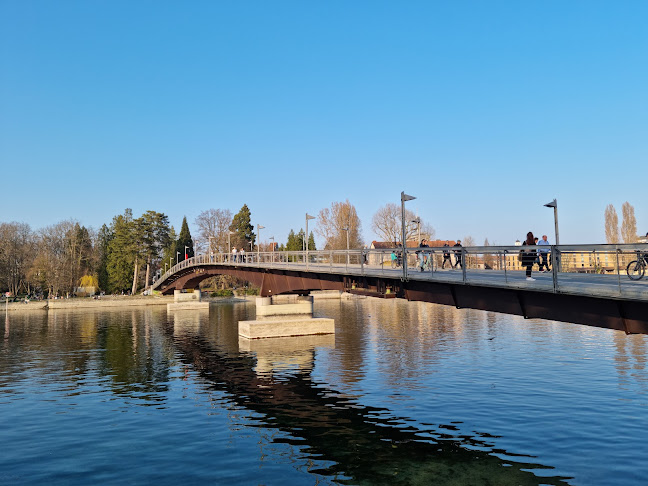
column 529, row 256
column 458, row 254
column 446, row 255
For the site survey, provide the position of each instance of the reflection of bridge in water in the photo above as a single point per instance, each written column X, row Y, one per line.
column 489, row 280
column 358, row 443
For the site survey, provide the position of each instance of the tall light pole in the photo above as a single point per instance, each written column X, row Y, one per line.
column 259, row 227
column 404, row 197
column 186, row 254
column 554, row 204
column 177, row 257
column 417, row 221
column 170, row 260
column 229, row 243
column 211, row 249
column 165, row 267
column 308, row 216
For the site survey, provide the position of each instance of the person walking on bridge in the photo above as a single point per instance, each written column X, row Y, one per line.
column 528, row 256
column 446, row 255
column 544, row 253
column 458, row 254
column 422, row 254
column 233, row 254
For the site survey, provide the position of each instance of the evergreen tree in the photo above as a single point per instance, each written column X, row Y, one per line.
column 154, row 234
column 103, row 240
column 300, row 237
column 291, row 244
column 243, row 229
column 184, row 240
column 169, row 252
column 121, row 252
column 311, row 242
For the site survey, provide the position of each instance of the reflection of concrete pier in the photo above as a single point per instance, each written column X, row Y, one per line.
column 285, row 353
column 284, row 316
column 187, row 301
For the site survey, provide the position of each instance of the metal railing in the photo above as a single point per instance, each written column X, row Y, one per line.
column 577, row 269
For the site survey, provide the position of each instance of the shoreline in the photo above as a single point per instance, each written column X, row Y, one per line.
column 112, row 301
column 104, row 302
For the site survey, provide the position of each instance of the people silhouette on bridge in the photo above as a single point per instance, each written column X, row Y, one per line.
column 458, row 254
column 544, row 253
column 529, row 255
column 446, row 255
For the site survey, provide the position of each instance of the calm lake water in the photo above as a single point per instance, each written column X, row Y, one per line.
column 403, row 393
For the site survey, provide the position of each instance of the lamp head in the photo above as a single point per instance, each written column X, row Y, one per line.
column 552, row 204
column 406, row 197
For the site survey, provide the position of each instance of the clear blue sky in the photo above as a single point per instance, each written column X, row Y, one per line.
column 484, row 110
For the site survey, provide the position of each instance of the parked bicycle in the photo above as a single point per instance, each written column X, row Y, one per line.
column 637, row 268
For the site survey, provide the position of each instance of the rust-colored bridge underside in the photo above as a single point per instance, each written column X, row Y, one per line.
column 623, row 315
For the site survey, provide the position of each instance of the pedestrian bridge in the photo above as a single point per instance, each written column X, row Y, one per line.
column 589, row 285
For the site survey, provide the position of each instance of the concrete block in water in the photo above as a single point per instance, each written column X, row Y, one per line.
column 284, row 305
column 290, row 326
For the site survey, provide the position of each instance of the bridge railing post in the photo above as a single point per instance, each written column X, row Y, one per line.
column 554, row 267
column 618, row 268
column 464, row 260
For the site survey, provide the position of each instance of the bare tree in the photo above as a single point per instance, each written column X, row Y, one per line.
column 629, row 223
column 16, row 255
column 386, row 223
column 489, row 258
column 427, row 231
column 213, row 227
column 331, row 224
column 468, row 241
column 611, row 225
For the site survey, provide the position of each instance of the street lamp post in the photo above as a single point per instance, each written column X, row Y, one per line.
column 259, row 227
column 170, row 260
column 555, row 258
column 417, row 221
column 177, row 257
column 211, row 249
column 186, row 254
column 308, row 216
column 404, row 197
column 229, row 243
column 347, row 234
column 554, row 204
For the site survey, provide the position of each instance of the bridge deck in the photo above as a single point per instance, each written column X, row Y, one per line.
column 596, row 299
column 615, row 286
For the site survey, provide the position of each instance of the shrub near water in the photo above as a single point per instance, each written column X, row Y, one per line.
column 222, row 293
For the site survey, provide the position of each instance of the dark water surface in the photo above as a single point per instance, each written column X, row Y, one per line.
column 404, row 393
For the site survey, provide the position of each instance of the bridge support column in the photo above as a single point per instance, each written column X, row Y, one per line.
column 187, row 300
column 283, row 316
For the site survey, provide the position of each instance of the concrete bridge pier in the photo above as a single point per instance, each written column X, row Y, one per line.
column 283, row 316
column 183, row 300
